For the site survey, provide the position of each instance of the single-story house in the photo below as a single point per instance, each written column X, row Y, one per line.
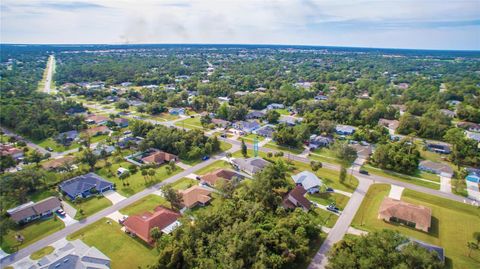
column 67, row 138
column 126, row 141
column 32, row 211
column 108, row 150
column 344, row 129
column 275, row 106
column 8, row 150
column 448, row 113
column 318, row 141
column 436, row 168
column 265, row 131
column 321, row 97
column 121, row 122
column 195, row 196
column 71, row 254
column 55, row 164
column 290, row 120
column 389, row 124
column 239, row 93
column 417, row 216
column 296, row 198
column 246, row 126
column 256, row 114
column 222, row 99
column 97, row 130
column 473, row 135
column 126, row 84
column 162, row 218
column 176, row 111
column 221, row 123
column 211, row 178
column 250, row 165
column 159, row 157
column 438, row 148
column 96, row 119
column 308, row 180
column 82, row 186
column 121, row 171
column 469, row 126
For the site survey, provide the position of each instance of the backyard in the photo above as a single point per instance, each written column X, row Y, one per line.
column 107, row 237
column 453, row 223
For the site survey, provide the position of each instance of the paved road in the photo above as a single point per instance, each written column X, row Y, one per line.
column 48, row 79
column 27, row 251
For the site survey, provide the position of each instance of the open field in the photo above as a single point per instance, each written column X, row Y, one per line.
column 214, row 166
column 401, row 177
column 31, row 232
column 453, row 223
column 148, row 203
column 273, row 145
column 123, row 250
column 89, row 206
column 190, row 123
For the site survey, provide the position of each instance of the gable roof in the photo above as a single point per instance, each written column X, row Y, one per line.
column 251, row 165
column 194, row 195
column 97, row 129
column 307, row 179
column 159, row 157
column 34, row 209
column 437, row 167
column 420, row 215
column 142, row 224
column 212, row 177
column 298, row 194
column 78, row 185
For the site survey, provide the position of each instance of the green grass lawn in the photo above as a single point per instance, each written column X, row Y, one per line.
column 283, row 111
column 326, row 155
column 250, row 138
column 190, row 123
column 136, row 181
column 160, row 117
column 325, row 218
column 31, row 232
column 50, row 143
column 214, row 166
column 37, row 255
column 224, row 146
column 327, row 198
column 184, row 183
column 453, row 223
column 123, row 250
column 273, row 145
column 89, row 206
column 404, row 178
column 145, row 204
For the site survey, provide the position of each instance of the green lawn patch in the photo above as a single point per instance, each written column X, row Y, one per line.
column 453, row 223
column 31, row 232
column 146, row 204
column 136, row 182
column 273, row 145
column 190, row 123
column 123, row 250
column 51, row 143
column 250, row 138
column 325, row 218
column 326, row 155
column 37, row 255
column 327, row 198
column 401, row 177
column 89, row 206
column 184, row 183
column 214, row 166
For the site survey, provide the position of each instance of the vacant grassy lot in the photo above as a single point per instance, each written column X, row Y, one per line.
column 31, row 232
column 145, row 204
column 327, row 198
column 136, row 182
column 325, row 218
column 123, row 250
column 453, row 223
column 51, row 143
column 184, row 183
column 214, row 166
column 89, row 206
column 386, row 173
column 190, row 123
column 250, row 138
column 42, row 253
column 273, row 145
column 326, row 155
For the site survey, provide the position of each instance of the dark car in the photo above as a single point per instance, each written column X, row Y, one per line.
column 329, row 190
column 333, row 208
column 364, row 172
column 49, row 149
column 206, row 157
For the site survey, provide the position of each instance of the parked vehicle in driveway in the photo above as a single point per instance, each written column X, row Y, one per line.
column 206, row 157
column 61, row 212
column 333, row 208
column 364, row 172
column 329, row 190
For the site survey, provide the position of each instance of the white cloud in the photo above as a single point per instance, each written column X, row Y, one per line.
column 375, row 23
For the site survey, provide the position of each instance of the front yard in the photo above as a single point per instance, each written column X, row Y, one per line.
column 148, row 203
column 31, row 232
column 430, row 181
column 190, row 123
column 123, row 250
column 89, row 206
column 453, row 223
column 327, row 198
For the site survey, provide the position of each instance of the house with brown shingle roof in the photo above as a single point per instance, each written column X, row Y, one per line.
column 57, row 163
column 212, row 177
column 296, row 198
column 195, row 196
column 97, row 130
column 96, row 119
column 140, row 225
column 417, row 216
column 159, row 157
column 32, row 211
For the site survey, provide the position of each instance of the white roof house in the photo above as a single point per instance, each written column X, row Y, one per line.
column 309, row 181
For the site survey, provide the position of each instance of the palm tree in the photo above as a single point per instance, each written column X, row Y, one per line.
column 471, row 246
column 145, row 174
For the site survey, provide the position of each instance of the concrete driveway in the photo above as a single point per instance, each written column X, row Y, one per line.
column 116, row 216
column 114, row 196
column 445, row 184
column 396, row 192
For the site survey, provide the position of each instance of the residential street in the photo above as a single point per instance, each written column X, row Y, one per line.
column 48, row 79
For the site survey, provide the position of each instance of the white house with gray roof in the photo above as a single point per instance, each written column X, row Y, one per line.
column 308, row 180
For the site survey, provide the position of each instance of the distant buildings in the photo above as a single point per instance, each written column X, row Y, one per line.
column 121, row 122
column 56, row 164
column 418, row 217
column 151, row 156
column 265, row 131
column 391, row 125
column 31, row 211
column 448, row 113
column 97, row 130
column 221, row 123
column 438, row 148
column 67, row 138
column 275, row 106
column 256, row 114
column 96, row 119
column 85, row 186
column 8, row 150
column 344, row 130
column 469, row 126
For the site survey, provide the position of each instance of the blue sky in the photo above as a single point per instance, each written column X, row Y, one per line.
column 425, row 24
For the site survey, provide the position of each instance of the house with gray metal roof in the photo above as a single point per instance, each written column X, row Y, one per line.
column 85, row 185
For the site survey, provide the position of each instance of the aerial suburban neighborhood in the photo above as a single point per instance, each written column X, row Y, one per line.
column 238, row 156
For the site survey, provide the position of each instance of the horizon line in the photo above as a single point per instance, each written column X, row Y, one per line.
column 236, row 44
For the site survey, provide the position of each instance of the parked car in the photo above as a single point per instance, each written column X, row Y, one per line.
column 61, row 212
column 198, row 178
column 364, row 172
column 333, row 208
column 49, row 149
column 206, row 157
column 329, row 190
